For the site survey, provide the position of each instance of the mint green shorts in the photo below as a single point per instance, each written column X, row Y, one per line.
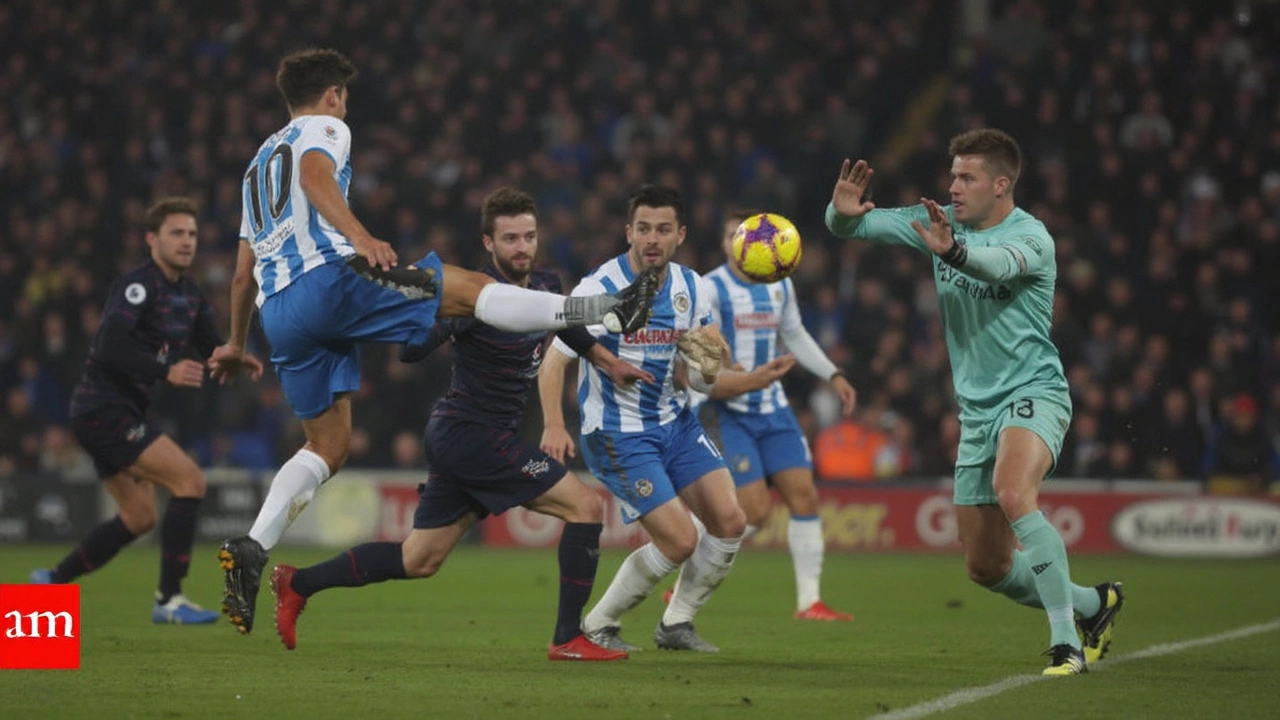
column 1046, row 415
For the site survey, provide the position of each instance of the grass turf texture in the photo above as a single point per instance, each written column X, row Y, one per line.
column 472, row 643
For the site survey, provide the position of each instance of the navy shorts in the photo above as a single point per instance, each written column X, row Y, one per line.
column 481, row 469
column 114, row 437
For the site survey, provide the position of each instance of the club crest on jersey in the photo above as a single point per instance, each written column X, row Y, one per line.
column 136, row 293
column 162, row 356
column 136, row 432
column 681, row 302
column 644, row 488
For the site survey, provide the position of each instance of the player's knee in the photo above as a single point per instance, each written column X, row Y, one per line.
column 1013, row 500
column 987, row 571
column 193, row 484
column 138, row 519
column 588, row 507
column 802, row 502
column 729, row 523
column 422, row 565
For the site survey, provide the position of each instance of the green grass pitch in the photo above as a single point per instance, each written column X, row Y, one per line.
column 471, row 643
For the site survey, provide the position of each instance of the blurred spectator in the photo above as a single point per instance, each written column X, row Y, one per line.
column 1241, row 452
column 1148, row 133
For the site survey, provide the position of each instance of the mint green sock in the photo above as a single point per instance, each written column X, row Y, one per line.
column 1020, row 586
column 1048, row 559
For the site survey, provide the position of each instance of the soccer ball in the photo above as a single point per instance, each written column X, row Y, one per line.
column 766, row 247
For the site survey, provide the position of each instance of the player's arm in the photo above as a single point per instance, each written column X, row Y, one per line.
column 849, row 216
column 555, row 438
column 1015, row 257
column 229, row 358
column 441, row 333
column 584, row 344
column 809, row 353
column 732, row 383
column 321, row 149
column 119, row 349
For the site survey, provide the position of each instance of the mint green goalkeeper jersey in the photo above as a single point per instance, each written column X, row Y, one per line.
column 996, row 315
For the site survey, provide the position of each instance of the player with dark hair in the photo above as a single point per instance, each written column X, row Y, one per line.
column 645, row 443
column 308, row 260
column 757, row 431
column 994, row 267
column 478, row 463
column 155, row 317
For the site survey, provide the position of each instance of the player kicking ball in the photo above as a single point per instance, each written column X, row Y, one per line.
column 154, row 316
column 479, row 464
column 994, row 267
column 324, row 284
column 756, row 429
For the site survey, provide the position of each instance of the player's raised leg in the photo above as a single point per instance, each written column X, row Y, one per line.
column 505, row 306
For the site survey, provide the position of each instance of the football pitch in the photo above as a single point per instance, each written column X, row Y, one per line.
column 471, row 643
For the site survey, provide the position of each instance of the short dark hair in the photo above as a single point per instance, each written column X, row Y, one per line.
column 505, row 202
column 997, row 148
column 164, row 207
column 737, row 215
column 304, row 76
column 656, row 196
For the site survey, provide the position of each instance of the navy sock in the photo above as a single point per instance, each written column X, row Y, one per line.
column 177, row 532
column 371, row 562
column 579, row 555
column 99, row 546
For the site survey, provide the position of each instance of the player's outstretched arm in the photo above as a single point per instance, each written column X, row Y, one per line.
column 555, row 438
column 809, row 354
column 230, row 358
column 322, row 191
column 732, row 383
column 1013, row 258
column 849, row 215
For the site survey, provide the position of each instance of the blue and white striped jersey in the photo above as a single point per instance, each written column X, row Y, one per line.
column 287, row 234
column 752, row 317
column 681, row 304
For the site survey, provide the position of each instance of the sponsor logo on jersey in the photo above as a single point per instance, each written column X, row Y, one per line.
column 653, row 336
column 755, row 321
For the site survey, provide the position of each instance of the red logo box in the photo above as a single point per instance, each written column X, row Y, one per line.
column 39, row 627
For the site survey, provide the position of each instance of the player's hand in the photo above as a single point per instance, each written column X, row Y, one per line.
column 186, row 373
column 765, row 375
column 851, row 187
column 557, row 443
column 379, row 253
column 624, row 374
column 705, row 349
column 227, row 361
column 937, row 237
column 848, row 396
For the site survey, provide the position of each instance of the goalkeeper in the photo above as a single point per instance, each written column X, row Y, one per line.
column 644, row 442
column 994, row 267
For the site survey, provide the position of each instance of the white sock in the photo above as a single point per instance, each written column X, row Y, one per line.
column 749, row 531
column 639, row 575
column 804, row 536
column 291, row 490
column 700, row 575
column 697, row 525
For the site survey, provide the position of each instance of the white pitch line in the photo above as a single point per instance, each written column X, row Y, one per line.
column 974, row 694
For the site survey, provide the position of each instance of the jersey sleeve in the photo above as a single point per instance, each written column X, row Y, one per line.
column 711, row 289
column 887, row 227
column 705, row 308
column 205, row 336
column 328, row 135
column 588, row 286
column 790, row 319
column 1027, row 254
column 127, row 300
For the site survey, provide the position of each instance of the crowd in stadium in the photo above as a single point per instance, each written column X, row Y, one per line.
column 1152, row 153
